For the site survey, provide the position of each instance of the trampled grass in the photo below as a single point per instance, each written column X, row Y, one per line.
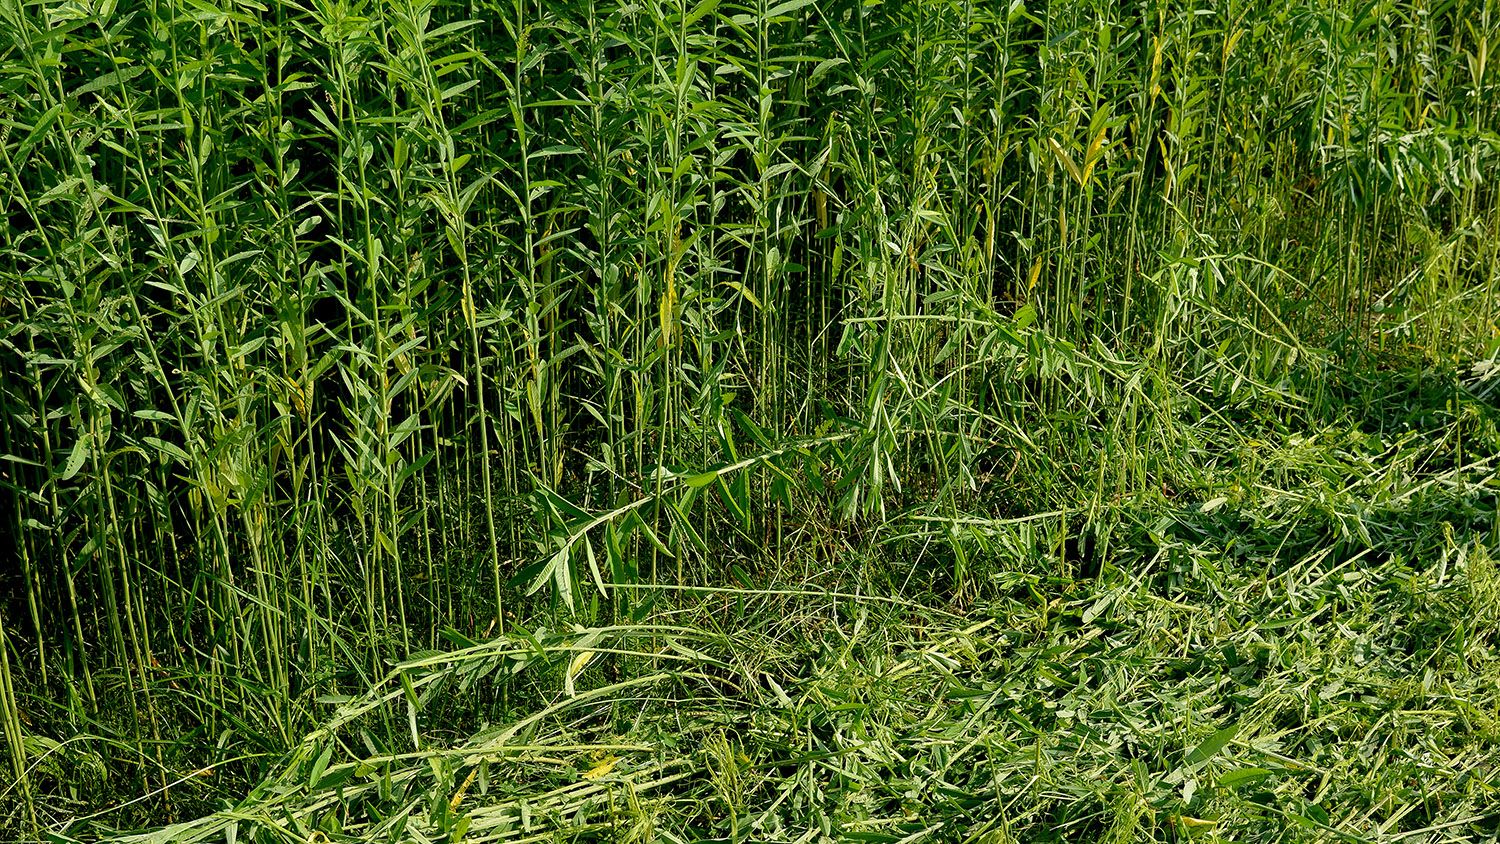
column 718, row 421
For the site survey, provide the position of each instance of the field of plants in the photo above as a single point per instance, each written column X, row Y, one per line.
column 795, row 421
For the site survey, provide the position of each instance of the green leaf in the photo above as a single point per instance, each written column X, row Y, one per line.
column 407, row 688
column 558, row 572
column 745, row 291
column 1213, row 744
column 635, row 522
column 786, row 8
column 703, row 480
column 683, row 526
column 106, row 80
column 319, row 766
column 753, row 430
column 588, row 549
column 1317, row 814
column 76, row 457
column 1240, row 777
column 613, row 554
column 564, row 507
column 39, row 130
column 559, row 558
column 169, row 448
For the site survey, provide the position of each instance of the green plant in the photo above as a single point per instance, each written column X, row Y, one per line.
column 337, row 333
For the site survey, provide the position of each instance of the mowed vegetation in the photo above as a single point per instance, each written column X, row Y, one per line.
column 707, row 420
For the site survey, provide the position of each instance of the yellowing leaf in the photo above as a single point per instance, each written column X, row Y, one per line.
column 601, row 768
column 744, row 291
column 1229, row 43
column 575, row 668
column 458, row 796
column 579, row 662
column 669, row 312
column 1067, row 160
column 1091, row 157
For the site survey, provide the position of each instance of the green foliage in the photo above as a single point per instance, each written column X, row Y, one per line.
column 346, row 334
